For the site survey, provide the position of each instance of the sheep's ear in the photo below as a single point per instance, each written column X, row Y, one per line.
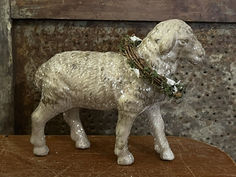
column 166, row 43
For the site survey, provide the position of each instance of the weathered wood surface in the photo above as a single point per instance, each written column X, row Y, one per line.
column 137, row 10
column 6, row 70
column 193, row 158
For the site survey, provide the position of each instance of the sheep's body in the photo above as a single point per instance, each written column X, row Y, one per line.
column 93, row 80
column 96, row 80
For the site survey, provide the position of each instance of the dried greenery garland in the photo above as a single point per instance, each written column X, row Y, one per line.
column 128, row 49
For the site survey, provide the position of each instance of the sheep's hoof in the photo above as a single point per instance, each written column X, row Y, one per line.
column 167, row 155
column 157, row 148
column 127, row 159
column 41, row 151
column 82, row 144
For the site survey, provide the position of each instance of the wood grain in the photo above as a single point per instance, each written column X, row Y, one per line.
column 193, row 158
column 6, row 70
column 134, row 10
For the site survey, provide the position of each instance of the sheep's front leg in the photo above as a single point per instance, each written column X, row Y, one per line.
column 77, row 132
column 123, row 127
column 158, row 127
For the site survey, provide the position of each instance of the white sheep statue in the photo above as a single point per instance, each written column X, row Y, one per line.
column 104, row 80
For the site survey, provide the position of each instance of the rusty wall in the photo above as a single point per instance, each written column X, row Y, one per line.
column 206, row 113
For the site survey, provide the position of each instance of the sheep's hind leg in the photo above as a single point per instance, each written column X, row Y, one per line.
column 39, row 117
column 76, row 129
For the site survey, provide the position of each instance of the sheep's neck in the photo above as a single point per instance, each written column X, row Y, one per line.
column 164, row 65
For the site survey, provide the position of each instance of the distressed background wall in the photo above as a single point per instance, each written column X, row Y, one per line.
column 206, row 113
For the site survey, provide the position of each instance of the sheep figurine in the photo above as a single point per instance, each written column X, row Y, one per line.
column 103, row 81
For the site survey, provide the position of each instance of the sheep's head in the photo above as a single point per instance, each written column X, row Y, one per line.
column 170, row 40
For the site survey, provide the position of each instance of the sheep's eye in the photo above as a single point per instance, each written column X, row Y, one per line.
column 183, row 41
column 157, row 40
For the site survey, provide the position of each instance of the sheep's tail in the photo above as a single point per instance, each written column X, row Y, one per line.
column 38, row 79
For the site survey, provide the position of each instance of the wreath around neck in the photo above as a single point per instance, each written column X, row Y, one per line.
column 165, row 85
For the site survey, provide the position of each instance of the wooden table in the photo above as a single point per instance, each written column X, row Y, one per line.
column 193, row 158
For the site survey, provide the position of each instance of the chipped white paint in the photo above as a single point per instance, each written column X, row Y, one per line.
column 96, row 80
column 136, row 71
column 171, row 82
column 135, row 38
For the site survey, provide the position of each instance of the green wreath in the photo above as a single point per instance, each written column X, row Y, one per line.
column 127, row 48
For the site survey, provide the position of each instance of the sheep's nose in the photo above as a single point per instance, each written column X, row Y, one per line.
column 201, row 58
column 199, row 49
